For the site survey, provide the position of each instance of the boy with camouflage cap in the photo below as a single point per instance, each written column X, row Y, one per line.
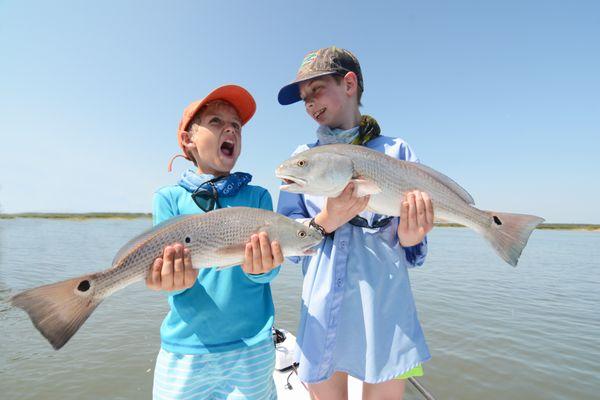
column 358, row 313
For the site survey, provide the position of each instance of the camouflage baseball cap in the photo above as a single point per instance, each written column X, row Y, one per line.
column 328, row 61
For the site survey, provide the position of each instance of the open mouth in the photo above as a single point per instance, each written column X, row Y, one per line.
column 290, row 180
column 310, row 250
column 228, row 147
column 317, row 114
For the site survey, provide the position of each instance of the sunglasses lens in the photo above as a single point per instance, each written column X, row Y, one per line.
column 359, row 221
column 204, row 200
column 363, row 223
column 382, row 222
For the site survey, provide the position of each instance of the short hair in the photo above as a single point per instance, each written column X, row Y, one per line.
column 339, row 78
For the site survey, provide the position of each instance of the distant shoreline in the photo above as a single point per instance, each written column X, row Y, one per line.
column 77, row 216
column 108, row 215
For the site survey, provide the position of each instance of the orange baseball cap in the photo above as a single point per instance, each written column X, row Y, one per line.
column 237, row 96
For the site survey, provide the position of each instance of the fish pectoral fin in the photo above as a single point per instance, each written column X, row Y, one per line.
column 234, row 255
column 365, row 187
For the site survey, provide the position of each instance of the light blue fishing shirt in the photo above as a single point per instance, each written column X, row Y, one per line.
column 226, row 309
column 358, row 313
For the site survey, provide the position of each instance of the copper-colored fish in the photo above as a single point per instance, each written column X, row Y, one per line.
column 215, row 239
column 326, row 170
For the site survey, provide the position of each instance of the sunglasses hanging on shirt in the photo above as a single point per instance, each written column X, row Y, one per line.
column 377, row 224
column 206, row 196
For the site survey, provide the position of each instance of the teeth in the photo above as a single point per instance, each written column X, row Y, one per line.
column 318, row 113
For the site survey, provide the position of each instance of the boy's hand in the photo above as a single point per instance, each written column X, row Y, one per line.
column 261, row 255
column 339, row 210
column 172, row 271
column 416, row 218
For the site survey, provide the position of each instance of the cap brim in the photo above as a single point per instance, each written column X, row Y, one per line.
column 290, row 94
column 237, row 96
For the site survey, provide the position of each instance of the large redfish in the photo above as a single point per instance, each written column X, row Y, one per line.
column 326, row 170
column 215, row 239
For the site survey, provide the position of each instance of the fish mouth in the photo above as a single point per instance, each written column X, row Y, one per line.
column 310, row 250
column 291, row 181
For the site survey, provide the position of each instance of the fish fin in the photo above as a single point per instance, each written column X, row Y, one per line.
column 508, row 233
column 365, row 187
column 58, row 310
column 234, row 253
column 455, row 187
column 143, row 237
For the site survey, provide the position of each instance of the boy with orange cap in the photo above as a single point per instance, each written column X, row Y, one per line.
column 216, row 340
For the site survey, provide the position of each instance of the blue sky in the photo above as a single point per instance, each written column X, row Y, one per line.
column 504, row 97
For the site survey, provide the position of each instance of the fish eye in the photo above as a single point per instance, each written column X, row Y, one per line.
column 301, row 234
column 301, row 163
column 188, row 239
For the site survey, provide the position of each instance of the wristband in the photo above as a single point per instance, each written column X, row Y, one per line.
column 318, row 227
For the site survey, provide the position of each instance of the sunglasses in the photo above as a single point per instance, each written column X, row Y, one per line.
column 207, row 198
column 363, row 223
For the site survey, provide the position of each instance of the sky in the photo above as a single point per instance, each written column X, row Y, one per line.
column 503, row 97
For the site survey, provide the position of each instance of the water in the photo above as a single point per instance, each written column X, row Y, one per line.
column 494, row 332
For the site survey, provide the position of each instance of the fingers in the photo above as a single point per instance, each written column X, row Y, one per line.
column 277, row 253
column 153, row 278
column 420, row 210
column 247, row 265
column 265, row 252
column 172, row 271
column 178, row 268
column 190, row 274
column 412, row 212
column 166, row 272
column 429, row 215
column 403, row 227
column 256, row 256
column 261, row 255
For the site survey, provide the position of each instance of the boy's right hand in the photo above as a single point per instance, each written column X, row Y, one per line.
column 341, row 209
column 172, row 271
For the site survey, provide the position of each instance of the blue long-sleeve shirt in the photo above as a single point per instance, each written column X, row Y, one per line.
column 226, row 309
column 358, row 313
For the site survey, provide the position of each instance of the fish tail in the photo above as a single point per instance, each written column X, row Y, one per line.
column 59, row 309
column 508, row 233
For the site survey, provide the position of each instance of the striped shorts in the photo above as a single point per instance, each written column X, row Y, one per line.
column 245, row 373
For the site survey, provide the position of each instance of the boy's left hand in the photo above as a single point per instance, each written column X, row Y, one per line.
column 261, row 255
column 416, row 218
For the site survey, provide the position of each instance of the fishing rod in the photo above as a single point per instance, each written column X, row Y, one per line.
column 419, row 386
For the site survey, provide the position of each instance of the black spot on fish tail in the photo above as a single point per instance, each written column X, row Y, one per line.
column 497, row 220
column 84, row 286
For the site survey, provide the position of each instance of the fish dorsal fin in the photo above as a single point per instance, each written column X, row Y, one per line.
column 455, row 187
column 142, row 237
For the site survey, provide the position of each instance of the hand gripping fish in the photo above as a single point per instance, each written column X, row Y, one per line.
column 326, row 170
column 215, row 239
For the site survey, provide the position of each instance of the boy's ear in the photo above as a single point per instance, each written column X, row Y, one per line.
column 350, row 83
column 186, row 140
